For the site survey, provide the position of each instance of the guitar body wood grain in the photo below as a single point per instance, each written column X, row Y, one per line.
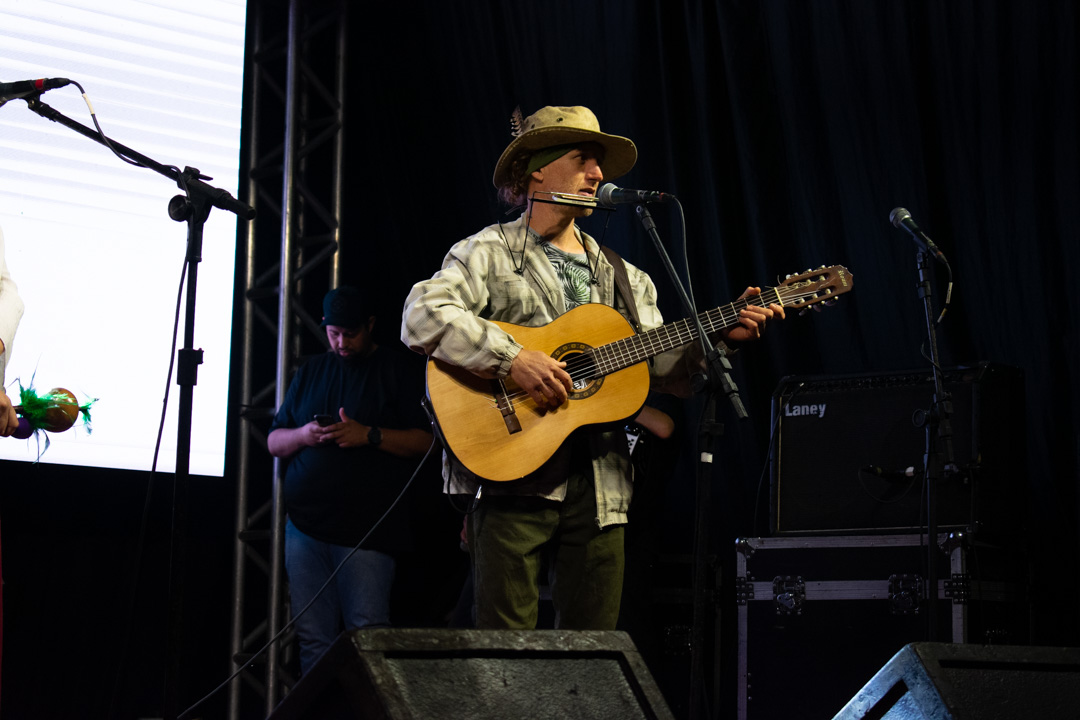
column 467, row 406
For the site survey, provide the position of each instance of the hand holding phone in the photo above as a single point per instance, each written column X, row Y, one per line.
column 325, row 420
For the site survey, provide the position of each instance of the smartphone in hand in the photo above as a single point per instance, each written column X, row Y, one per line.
column 325, row 420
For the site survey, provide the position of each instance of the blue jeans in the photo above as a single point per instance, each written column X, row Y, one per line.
column 359, row 596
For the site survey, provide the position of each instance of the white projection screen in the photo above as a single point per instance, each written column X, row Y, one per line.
column 89, row 241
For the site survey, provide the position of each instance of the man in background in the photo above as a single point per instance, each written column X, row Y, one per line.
column 351, row 427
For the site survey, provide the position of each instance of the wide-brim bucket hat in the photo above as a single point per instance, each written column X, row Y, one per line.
column 551, row 126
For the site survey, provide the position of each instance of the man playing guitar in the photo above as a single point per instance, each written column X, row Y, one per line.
column 530, row 272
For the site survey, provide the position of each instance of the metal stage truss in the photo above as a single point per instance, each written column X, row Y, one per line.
column 294, row 107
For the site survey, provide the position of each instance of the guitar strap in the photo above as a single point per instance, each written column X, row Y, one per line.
column 622, row 282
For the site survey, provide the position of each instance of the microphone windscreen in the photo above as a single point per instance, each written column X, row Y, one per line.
column 898, row 215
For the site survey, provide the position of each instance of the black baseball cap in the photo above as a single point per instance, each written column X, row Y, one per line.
column 345, row 307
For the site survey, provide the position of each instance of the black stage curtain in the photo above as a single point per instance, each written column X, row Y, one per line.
column 789, row 129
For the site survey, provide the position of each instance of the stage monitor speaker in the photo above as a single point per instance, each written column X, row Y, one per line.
column 831, row 429
column 428, row 674
column 939, row 681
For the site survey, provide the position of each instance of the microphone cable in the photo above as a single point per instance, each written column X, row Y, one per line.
column 187, row 713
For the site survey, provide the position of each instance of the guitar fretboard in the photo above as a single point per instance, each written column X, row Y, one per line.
column 631, row 350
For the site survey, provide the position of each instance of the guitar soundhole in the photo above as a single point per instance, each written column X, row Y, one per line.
column 582, row 368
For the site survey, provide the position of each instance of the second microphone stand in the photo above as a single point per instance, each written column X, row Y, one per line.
column 938, row 460
column 193, row 208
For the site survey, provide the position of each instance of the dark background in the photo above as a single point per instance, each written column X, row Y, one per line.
column 788, row 130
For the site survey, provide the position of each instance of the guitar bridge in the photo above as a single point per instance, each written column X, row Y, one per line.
column 506, row 407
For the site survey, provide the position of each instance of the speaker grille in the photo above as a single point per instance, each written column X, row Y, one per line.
column 926, row 681
column 429, row 674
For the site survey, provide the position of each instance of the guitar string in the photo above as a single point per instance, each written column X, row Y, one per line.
column 658, row 340
column 654, row 342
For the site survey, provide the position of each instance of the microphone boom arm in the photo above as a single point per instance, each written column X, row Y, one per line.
column 217, row 197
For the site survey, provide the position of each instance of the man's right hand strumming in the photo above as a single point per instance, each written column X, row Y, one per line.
column 543, row 377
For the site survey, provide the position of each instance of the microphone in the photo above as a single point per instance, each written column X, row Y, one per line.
column 908, row 472
column 610, row 196
column 901, row 218
column 23, row 88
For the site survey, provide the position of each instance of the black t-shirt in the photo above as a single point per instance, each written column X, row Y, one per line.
column 336, row 495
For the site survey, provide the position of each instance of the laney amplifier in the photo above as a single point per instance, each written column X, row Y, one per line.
column 848, row 452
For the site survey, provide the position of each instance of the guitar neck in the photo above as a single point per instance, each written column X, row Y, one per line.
column 632, row 350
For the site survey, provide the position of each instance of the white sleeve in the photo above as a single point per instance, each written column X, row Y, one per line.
column 11, row 309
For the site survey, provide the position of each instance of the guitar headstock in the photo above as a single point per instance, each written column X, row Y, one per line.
column 815, row 286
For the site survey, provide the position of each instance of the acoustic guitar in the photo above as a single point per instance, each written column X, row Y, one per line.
column 499, row 433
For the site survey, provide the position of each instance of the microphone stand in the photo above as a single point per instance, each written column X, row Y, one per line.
column 193, row 207
column 938, row 461
column 712, row 381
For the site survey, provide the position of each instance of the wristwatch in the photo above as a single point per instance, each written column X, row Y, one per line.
column 374, row 436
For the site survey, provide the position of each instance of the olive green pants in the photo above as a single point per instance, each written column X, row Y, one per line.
column 510, row 537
